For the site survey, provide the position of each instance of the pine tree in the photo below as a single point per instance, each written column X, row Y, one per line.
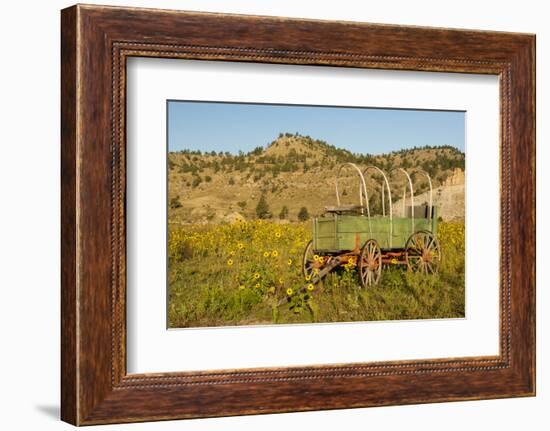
column 262, row 209
column 303, row 215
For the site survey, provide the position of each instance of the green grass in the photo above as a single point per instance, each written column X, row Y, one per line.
column 212, row 282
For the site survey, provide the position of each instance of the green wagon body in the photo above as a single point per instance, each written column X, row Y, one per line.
column 351, row 236
column 335, row 233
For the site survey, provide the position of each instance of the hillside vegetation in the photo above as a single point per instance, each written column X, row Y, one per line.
column 291, row 173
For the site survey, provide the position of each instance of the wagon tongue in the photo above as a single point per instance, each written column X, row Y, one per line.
column 333, row 263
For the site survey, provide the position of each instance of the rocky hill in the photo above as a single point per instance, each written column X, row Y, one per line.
column 295, row 171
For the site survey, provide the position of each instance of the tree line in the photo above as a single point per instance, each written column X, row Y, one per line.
column 263, row 211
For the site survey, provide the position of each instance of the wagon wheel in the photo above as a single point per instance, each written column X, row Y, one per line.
column 308, row 260
column 370, row 263
column 422, row 252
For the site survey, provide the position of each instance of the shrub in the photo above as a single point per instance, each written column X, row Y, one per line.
column 210, row 213
column 262, row 209
column 196, row 181
column 175, row 202
column 303, row 214
column 284, row 213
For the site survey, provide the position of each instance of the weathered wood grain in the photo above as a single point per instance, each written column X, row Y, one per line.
column 69, row 365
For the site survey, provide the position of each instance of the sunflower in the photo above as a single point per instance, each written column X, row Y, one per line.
column 289, row 291
column 266, row 253
column 277, row 234
column 229, row 262
column 308, row 277
column 274, row 253
column 310, row 287
column 240, row 246
column 257, row 276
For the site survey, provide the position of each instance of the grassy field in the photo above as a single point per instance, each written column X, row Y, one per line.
column 236, row 274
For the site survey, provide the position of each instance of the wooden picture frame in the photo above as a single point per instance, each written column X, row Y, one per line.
column 95, row 43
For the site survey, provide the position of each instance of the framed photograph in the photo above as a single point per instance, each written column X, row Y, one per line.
column 252, row 241
column 264, row 215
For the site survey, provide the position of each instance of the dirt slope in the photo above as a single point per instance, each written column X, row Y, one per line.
column 297, row 171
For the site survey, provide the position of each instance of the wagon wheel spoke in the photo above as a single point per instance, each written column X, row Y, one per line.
column 422, row 253
column 424, row 268
column 430, row 243
column 414, row 261
column 430, row 268
column 414, row 247
column 366, row 277
column 370, row 263
column 308, row 260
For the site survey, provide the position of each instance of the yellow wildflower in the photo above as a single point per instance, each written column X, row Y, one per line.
column 316, row 257
column 240, row 246
column 289, row 262
column 310, row 287
column 277, row 234
column 266, row 253
column 274, row 253
column 241, row 287
column 258, row 285
column 289, row 291
column 308, row 277
column 229, row 262
column 281, row 281
column 257, row 276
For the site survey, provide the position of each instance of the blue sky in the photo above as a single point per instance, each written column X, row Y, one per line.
column 214, row 126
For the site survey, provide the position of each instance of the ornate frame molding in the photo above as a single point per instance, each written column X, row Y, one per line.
column 96, row 41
